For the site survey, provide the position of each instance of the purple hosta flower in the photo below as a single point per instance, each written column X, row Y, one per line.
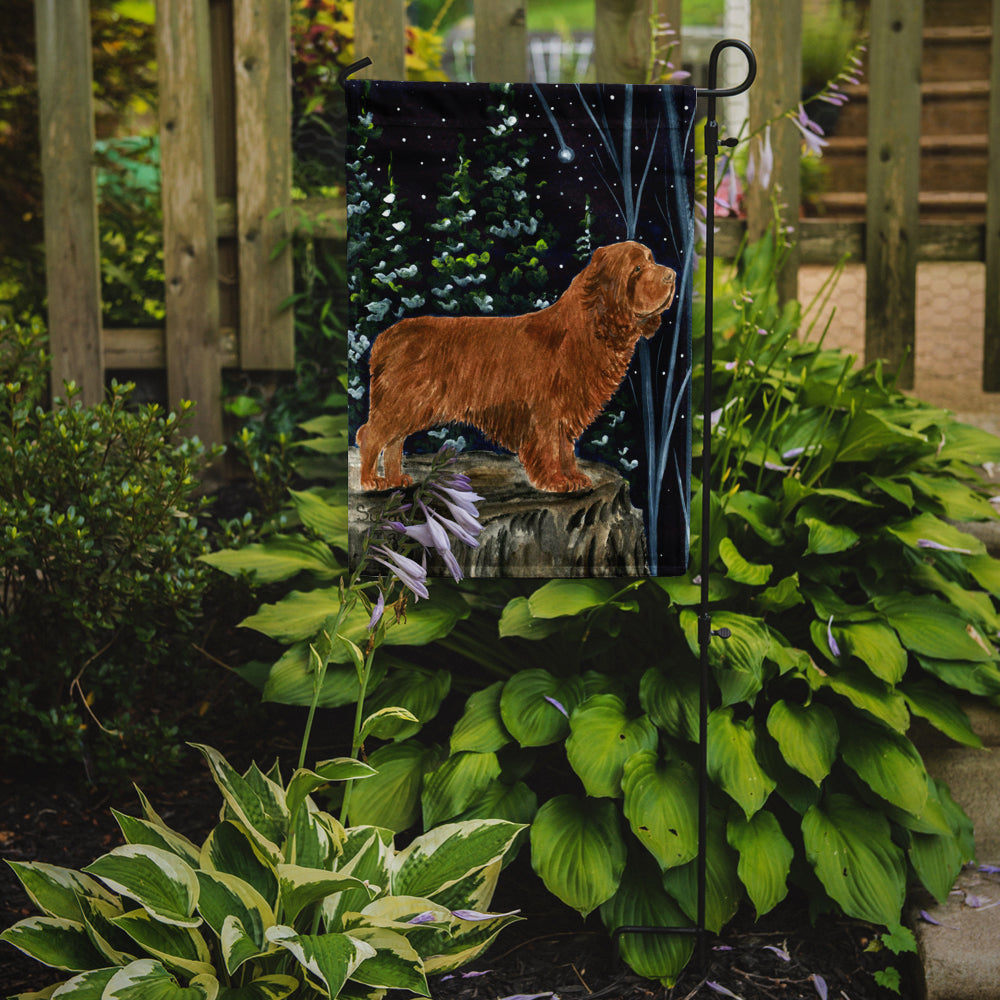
column 727, row 198
column 927, row 543
column 989, row 869
column 377, row 612
column 475, row 915
column 410, row 573
column 780, row 952
column 820, row 984
column 811, row 132
column 761, row 163
column 427, row 917
column 557, row 704
column 831, row 642
column 719, row 988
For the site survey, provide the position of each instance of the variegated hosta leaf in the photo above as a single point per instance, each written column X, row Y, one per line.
column 304, row 782
column 807, row 736
column 732, row 760
column 274, row 987
column 141, row 831
column 851, row 849
column 466, row 941
column 578, row 851
column 256, row 801
column 367, row 853
column 642, row 902
column 56, row 891
column 441, row 857
column 147, row 979
column 602, row 737
column 224, row 898
column 54, row 941
column 661, row 805
column 230, row 849
column 395, row 964
column 300, row 887
column 86, row 986
column 116, row 946
column 315, row 838
column 765, row 858
column 328, row 959
column 158, row 880
column 177, row 947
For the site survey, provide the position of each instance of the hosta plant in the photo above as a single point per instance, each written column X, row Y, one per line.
column 279, row 900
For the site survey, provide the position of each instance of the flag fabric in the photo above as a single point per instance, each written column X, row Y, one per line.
column 520, row 265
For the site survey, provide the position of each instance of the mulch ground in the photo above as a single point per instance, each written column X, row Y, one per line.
column 551, row 953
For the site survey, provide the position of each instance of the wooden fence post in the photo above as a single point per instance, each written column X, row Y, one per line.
column 262, row 61
column 991, row 333
column 380, row 34
column 892, row 214
column 621, row 40
column 776, row 34
column 72, row 255
column 501, row 41
column 190, row 251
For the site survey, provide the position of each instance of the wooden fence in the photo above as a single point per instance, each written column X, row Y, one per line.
column 226, row 160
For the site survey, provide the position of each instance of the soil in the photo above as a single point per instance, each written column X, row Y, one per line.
column 550, row 953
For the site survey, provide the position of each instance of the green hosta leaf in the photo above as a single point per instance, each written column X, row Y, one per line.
column 275, row 987
column 850, row 847
column 304, row 782
column 870, row 435
column 159, row 881
column 783, row 595
column 230, row 849
column 438, row 859
column 456, row 784
column 807, row 736
column 141, row 831
column 723, row 889
column 56, row 891
column 741, row 571
column 888, row 763
column 226, row 898
column 986, row 572
column 732, row 760
column 279, row 558
column 931, row 628
column 965, row 443
column 578, row 851
column 876, row 646
column 147, row 979
column 893, row 488
column 260, row 809
column 671, row 699
column 530, row 706
column 958, row 502
column 387, row 723
column 481, row 728
column 937, row 858
column 758, row 511
column 391, row 798
column 602, row 738
column 54, row 941
column 641, row 901
column 928, row 528
column 517, row 620
column 516, row 803
column 738, row 661
column 180, row 948
column 941, row 709
column 827, row 539
column 976, row 678
column 395, row 964
column 683, row 591
column 291, row 680
column 327, row 520
column 661, row 799
column 765, row 858
column 418, row 691
column 330, row 959
column 976, row 605
column 865, row 692
column 559, row 598
column 301, row 887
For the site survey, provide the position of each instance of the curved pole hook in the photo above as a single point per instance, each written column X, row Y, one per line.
column 353, row 68
column 712, row 90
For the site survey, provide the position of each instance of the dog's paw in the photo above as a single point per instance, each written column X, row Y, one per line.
column 374, row 483
column 572, row 483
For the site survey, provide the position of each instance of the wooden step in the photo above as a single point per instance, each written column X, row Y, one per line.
column 956, row 53
column 955, row 206
column 945, row 105
column 945, row 12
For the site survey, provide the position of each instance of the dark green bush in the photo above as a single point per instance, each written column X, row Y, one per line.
column 100, row 587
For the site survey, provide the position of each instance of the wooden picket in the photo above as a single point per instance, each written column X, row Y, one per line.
column 226, row 160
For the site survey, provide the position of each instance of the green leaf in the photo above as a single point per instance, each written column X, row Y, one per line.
column 986, row 571
column 481, row 727
column 274, row 987
column 456, row 785
column 738, row 661
column 391, row 798
column 760, row 512
column 931, row 628
column 517, row 620
column 230, row 849
column 279, row 558
column 783, row 595
column 876, row 646
column 559, row 598
column 54, row 941
column 301, row 887
column 438, row 859
column 976, row 678
column 527, row 711
column 147, row 979
column 86, row 986
column 56, row 891
column 304, row 782
column 516, row 803
column 163, row 884
column 330, row 959
column 661, row 799
column 327, row 520
column 292, row 680
column 927, row 527
column 395, row 964
column 807, row 736
column 578, row 851
column 732, row 760
column 602, row 738
column 225, row 897
column 418, row 691
column 941, row 709
column 958, row 502
column 671, row 699
column 828, row 539
column 850, row 848
column 870, row 435
column 765, row 858
column 741, row 571
column 181, row 948
column 141, row 831
column 640, row 901
column 888, row 763
column 965, row 443
column 866, row 692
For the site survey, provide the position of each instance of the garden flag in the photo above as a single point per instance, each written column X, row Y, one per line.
column 520, row 262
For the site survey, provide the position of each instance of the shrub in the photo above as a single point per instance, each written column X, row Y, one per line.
column 280, row 899
column 99, row 539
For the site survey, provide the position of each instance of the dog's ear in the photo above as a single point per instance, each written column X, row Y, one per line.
column 606, row 293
